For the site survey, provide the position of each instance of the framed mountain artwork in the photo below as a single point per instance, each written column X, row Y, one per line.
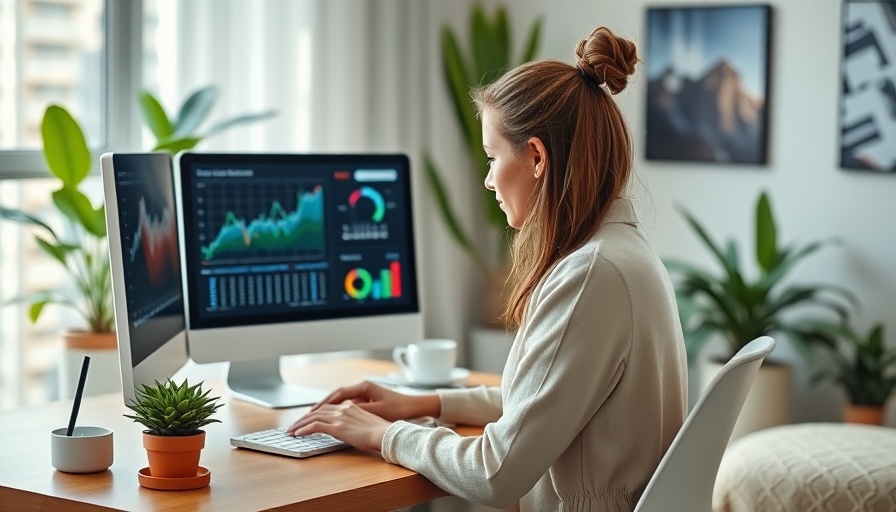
column 707, row 89
column 868, row 86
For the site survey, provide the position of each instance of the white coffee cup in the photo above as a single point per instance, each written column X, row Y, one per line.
column 87, row 450
column 428, row 361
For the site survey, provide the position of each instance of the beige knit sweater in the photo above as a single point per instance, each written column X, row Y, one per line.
column 593, row 392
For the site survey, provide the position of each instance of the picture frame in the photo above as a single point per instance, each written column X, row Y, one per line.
column 867, row 113
column 707, row 90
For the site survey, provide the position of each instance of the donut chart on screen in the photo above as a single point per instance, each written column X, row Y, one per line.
column 360, row 284
column 366, row 283
column 379, row 206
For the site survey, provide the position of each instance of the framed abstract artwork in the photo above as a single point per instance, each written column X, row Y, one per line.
column 707, row 89
column 868, row 86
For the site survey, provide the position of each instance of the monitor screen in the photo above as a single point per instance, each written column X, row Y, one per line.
column 141, row 221
column 288, row 253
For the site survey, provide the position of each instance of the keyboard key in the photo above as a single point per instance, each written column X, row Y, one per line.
column 278, row 442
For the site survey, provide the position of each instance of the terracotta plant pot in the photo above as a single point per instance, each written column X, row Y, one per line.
column 866, row 414
column 102, row 347
column 173, row 456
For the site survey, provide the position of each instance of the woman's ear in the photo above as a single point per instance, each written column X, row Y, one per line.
column 538, row 155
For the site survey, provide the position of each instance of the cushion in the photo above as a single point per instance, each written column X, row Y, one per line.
column 811, row 466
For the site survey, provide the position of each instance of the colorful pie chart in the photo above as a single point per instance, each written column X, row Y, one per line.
column 379, row 206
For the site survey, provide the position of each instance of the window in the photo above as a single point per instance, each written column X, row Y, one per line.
column 87, row 55
column 93, row 56
column 51, row 52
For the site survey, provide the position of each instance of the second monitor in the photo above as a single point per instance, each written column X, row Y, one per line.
column 290, row 254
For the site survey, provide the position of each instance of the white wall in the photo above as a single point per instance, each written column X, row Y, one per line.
column 811, row 196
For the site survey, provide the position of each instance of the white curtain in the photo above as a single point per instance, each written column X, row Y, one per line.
column 344, row 76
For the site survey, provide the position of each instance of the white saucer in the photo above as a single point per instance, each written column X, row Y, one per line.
column 458, row 376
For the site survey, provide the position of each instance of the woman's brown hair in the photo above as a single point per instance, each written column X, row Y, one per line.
column 589, row 150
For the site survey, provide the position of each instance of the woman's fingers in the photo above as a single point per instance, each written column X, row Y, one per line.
column 346, row 421
column 341, row 395
column 325, row 411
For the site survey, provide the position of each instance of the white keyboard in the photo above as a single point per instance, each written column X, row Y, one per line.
column 278, row 442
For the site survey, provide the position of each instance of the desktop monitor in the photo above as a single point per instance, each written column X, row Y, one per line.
column 290, row 254
column 147, row 289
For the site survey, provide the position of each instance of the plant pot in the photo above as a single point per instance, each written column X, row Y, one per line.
column 104, row 371
column 769, row 402
column 173, row 456
column 865, row 414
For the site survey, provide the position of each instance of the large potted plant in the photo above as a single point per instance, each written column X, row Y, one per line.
column 488, row 56
column 728, row 305
column 173, row 415
column 865, row 369
column 82, row 248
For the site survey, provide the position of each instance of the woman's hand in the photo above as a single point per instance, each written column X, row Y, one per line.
column 347, row 422
column 385, row 403
column 360, row 414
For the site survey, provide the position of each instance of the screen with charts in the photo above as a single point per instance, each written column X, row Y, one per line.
column 147, row 224
column 279, row 238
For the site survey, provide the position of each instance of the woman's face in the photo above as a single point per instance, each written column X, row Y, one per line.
column 511, row 173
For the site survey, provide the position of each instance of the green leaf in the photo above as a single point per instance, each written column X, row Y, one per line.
column 501, row 41
column 155, row 117
column 238, row 120
column 454, row 227
column 25, row 218
column 65, row 149
column 787, row 260
column 76, row 206
column 532, row 41
column 175, row 146
column 876, row 339
column 58, row 252
column 35, row 310
column 766, row 235
column 481, row 45
column 732, row 262
column 458, row 82
column 194, row 110
column 702, row 234
column 696, row 339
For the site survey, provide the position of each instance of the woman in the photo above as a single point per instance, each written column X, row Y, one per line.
column 594, row 387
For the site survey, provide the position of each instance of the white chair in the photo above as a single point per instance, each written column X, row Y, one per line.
column 685, row 477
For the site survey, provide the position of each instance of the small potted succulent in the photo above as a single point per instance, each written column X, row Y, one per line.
column 866, row 370
column 173, row 416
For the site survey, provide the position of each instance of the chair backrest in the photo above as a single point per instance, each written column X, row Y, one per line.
column 686, row 475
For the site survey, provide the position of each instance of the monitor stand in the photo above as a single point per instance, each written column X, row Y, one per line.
column 260, row 382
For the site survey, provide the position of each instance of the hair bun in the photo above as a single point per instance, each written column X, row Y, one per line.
column 607, row 59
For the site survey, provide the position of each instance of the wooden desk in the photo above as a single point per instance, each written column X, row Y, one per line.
column 240, row 479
